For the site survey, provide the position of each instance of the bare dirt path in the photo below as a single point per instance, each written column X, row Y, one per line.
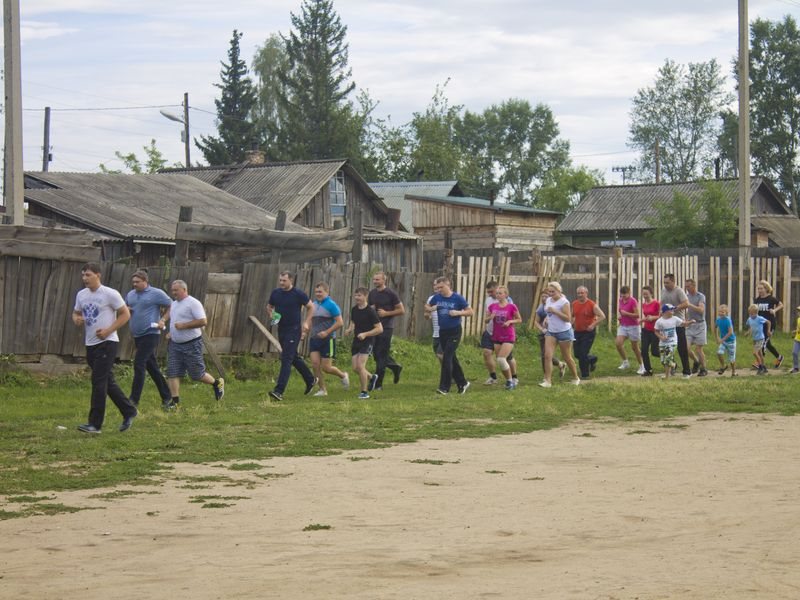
column 693, row 508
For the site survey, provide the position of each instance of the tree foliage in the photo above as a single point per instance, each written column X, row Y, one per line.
column 775, row 103
column 270, row 116
column 707, row 222
column 680, row 112
column 235, row 127
column 153, row 163
column 320, row 119
column 565, row 187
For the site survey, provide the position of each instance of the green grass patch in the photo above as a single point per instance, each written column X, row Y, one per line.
column 316, row 527
column 244, row 428
column 433, row 461
column 216, row 505
column 118, row 494
column 30, row 499
column 245, row 467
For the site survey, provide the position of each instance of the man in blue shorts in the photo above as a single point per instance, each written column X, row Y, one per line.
column 287, row 302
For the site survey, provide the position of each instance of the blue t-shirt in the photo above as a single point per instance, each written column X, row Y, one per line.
column 724, row 324
column 756, row 325
column 324, row 317
column 444, row 306
column 146, row 309
column 288, row 304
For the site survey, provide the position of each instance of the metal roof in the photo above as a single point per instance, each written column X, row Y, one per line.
column 482, row 203
column 784, row 230
column 274, row 186
column 394, row 194
column 141, row 206
column 632, row 207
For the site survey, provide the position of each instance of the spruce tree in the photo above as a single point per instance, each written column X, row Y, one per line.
column 237, row 132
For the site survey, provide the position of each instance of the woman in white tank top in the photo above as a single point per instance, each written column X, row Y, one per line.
column 559, row 331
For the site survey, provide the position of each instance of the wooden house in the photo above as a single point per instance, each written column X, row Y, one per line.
column 623, row 215
column 319, row 195
column 134, row 217
column 475, row 223
column 394, row 195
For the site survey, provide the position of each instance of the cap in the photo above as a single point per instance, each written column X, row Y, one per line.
column 667, row 307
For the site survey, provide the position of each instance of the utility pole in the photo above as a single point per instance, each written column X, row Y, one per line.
column 658, row 162
column 46, row 156
column 187, row 142
column 13, row 183
column 624, row 171
column 744, row 130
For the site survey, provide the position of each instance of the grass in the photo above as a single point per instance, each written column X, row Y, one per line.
column 37, row 456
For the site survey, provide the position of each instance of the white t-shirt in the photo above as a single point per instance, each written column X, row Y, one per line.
column 99, row 309
column 486, row 305
column 184, row 311
column 555, row 324
column 434, row 318
column 668, row 328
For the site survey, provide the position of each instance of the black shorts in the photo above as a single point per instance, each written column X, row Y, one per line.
column 488, row 344
column 437, row 346
column 361, row 346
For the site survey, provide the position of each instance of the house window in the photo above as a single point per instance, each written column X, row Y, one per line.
column 338, row 198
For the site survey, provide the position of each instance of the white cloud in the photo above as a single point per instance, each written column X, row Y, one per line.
column 38, row 30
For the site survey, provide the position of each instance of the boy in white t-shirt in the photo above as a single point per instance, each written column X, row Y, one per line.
column 667, row 333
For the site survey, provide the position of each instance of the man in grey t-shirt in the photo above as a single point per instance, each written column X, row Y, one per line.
column 672, row 294
column 696, row 332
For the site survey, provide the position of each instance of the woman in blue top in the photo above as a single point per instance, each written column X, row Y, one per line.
column 450, row 307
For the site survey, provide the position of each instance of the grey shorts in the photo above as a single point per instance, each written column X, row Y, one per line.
column 632, row 332
column 696, row 334
column 187, row 357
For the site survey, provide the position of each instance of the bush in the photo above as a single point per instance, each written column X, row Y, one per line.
column 11, row 373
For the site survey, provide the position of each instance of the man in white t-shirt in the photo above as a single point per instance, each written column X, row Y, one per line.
column 187, row 317
column 102, row 311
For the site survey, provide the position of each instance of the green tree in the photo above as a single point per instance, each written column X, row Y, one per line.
column 564, row 188
column 775, row 103
column 680, row 113
column 728, row 144
column 237, row 132
column 707, row 222
column 153, row 163
column 320, row 120
column 269, row 115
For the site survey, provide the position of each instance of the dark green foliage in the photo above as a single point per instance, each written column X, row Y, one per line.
column 236, row 129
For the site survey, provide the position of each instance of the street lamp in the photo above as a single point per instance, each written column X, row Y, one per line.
column 185, row 120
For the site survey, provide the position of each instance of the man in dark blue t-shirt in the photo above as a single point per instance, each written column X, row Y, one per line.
column 450, row 307
column 285, row 304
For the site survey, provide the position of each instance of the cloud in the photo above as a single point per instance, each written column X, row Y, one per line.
column 40, row 30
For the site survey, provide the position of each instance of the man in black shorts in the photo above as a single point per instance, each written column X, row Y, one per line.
column 366, row 324
column 387, row 305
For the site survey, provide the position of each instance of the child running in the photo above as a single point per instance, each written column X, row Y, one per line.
column 503, row 315
column 366, row 324
column 726, row 338
column 760, row 329
column 667, row 332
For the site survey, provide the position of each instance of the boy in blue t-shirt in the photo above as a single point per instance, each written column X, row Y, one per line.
column 726, row 338
column 760, row 328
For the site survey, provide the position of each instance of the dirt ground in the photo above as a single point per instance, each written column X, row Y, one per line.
column 692, row 508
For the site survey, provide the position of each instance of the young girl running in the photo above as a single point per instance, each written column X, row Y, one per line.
column 504, row 316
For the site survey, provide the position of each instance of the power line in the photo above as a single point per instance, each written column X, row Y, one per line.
column 106, row 108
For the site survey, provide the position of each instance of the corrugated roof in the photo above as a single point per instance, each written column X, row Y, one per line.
column 142, row 206
column 631, row 207
column 394, row 194
column 784, row 230
column 275, row 186
column 482, row 203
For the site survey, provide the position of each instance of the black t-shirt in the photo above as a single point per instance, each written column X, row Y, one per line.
column 288, row 304
column 764, row 306
column 364, row 319
column 387, row 300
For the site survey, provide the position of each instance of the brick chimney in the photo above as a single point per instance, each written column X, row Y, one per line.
column 256, row 157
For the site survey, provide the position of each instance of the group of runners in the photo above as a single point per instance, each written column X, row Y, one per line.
column 655, row 327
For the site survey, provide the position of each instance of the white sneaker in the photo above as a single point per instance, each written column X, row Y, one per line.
column 545, row 384
column 515, row 380
column 321, row 393
column 490, row 381
column 625, row 364
column 562, row 368
column 346, row 381
column 641, row 370
column 575, row 382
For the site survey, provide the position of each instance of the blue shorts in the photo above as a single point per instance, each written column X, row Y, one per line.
column 437, row 346
column 326, row 347
column 562, row 336
column 729, row 348
column 186, row 357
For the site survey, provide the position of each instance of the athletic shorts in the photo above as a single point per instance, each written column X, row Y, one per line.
column 437, row 346
column 186, row 357
column 326, row 347
column 729, row 348
column 361, row 346
column 667, row 354
column 632, row 332
column 696, row 334
column 486, row 341
column 759, row 345
column 562, row 336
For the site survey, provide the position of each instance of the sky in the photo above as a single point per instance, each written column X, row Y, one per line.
column 585, row 60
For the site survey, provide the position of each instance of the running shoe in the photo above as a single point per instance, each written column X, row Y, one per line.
column 490, row 381
column 363, row 396
column 346, row 381
column 625, row 364
column 219, row 388
column 320, row 393
column 545, row 384
column 641, row 370
column 779, row 362
column 722, row 370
